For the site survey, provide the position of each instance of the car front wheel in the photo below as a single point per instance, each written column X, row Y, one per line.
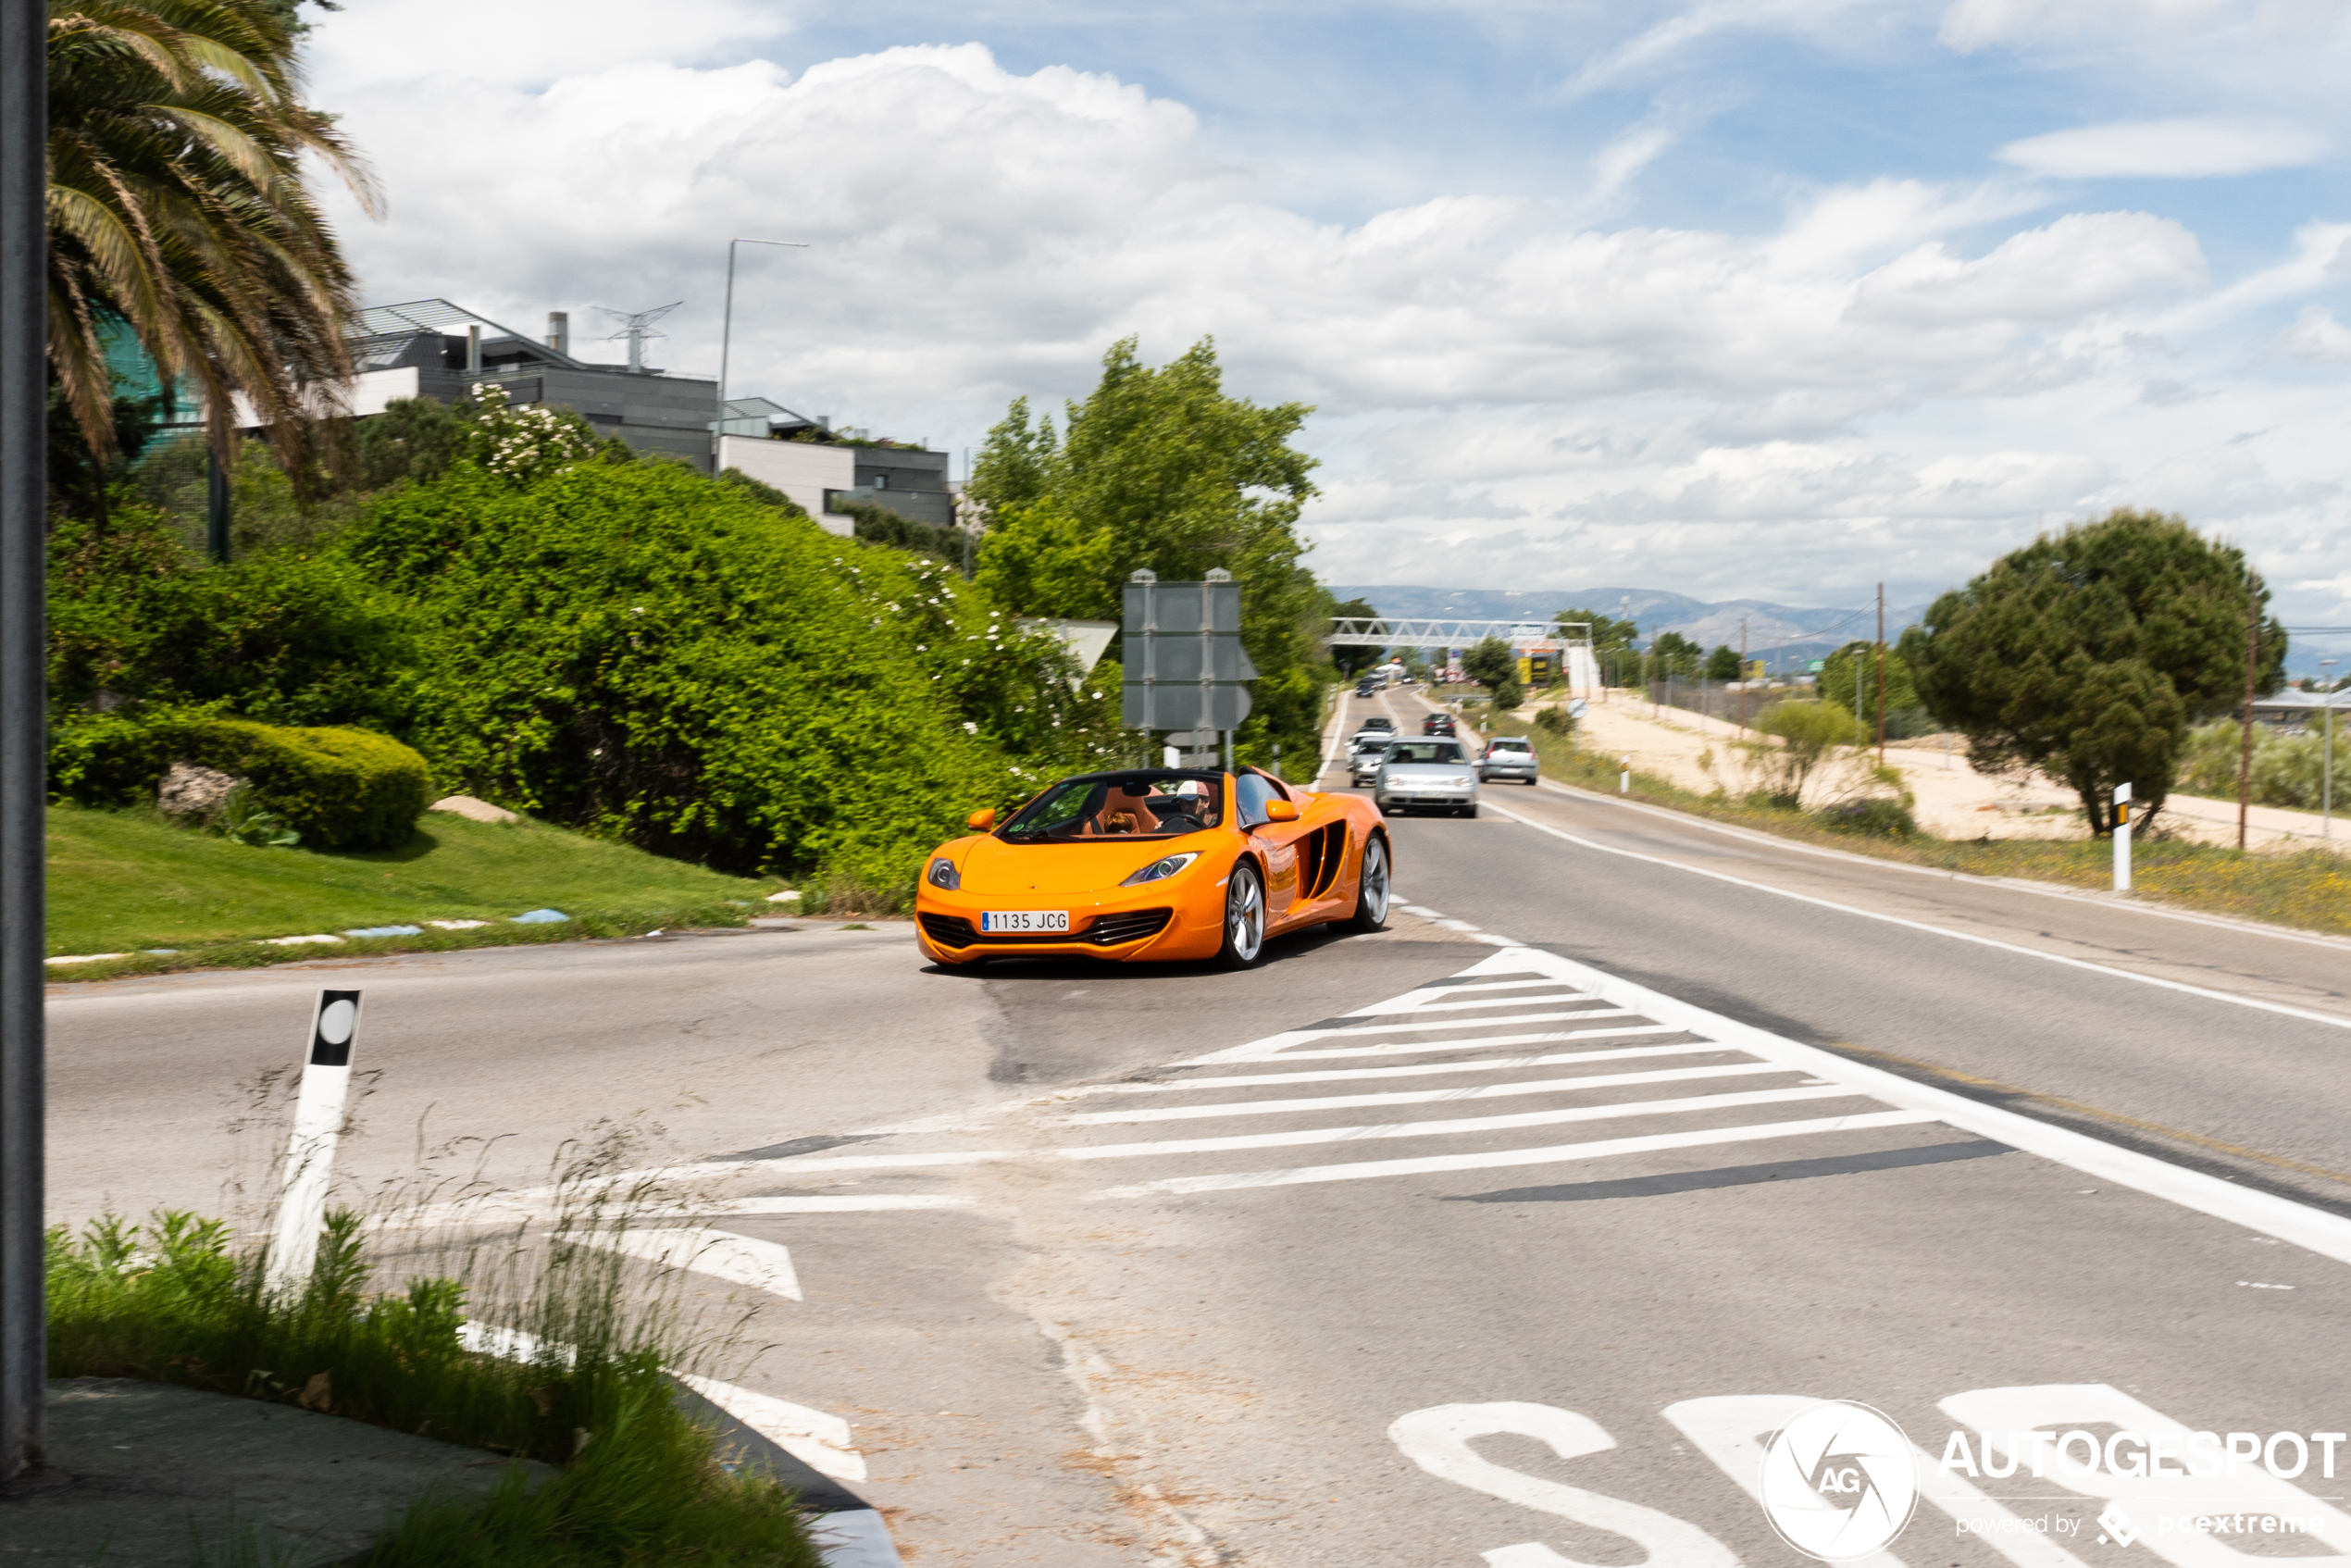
column 1244, row 919
column 1371, row 887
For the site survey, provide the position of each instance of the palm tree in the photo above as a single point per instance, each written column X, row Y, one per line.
column 178, row 209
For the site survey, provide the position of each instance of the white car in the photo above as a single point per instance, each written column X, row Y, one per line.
column 1430, row 772
column 1507, row 756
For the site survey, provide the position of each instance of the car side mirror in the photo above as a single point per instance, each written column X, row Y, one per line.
column 982, row 819
column 1281, row 811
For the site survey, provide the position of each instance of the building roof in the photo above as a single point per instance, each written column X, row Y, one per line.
column 400, row 321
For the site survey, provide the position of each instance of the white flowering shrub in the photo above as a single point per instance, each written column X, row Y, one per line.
column 526, row 444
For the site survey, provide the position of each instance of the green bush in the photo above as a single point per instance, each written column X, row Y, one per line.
column 1873, row 818
column 640, row 651
column 2288, row 770
column 338, row 788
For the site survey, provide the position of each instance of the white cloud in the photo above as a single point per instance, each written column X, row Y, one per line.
column 1510, row 391
column 2318, row 337
column 2187, row 148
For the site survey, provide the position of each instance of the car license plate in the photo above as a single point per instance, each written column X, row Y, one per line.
column 1025, row 920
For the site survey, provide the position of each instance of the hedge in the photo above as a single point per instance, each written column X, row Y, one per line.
column 340, row 789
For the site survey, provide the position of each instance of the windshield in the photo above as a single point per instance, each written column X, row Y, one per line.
column 1511, row 746
column 1425, row 752
column 1157, row 804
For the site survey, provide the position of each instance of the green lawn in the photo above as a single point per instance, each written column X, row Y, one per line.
column 121, row 880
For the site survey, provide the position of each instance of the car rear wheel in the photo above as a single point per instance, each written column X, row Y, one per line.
column 1244, row 919
column 1469, row 810
column 1371, row 887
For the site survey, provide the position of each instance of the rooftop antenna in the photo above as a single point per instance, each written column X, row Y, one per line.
column 637, row 327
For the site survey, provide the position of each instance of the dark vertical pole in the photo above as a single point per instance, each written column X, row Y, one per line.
column 216, row 508
column 24, row 133
column 2252, row 676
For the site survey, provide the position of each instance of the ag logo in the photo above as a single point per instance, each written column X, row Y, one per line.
column 1839, row 1481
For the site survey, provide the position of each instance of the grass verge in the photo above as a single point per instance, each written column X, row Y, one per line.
column 635, row 1480
column 2307, row 889
column 127, row 880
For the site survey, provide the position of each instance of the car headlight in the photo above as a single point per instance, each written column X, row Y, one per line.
column 1164, row 866
column 944, row 874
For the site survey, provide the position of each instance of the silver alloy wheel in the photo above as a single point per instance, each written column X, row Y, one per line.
column 1373, row 895
column 1245, row 915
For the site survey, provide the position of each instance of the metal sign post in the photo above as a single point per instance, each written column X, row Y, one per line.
column 24, row 238
column 310, row 1157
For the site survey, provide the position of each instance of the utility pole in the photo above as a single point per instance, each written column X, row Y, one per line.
column 1742, row 675
column 2252, row 677
column 24, row 242
column 1881, row 675
column 2326, row 771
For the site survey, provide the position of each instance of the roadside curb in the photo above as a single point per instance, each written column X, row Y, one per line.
column 849, row 1531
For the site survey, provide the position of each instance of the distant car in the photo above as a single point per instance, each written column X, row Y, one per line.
column 1366, row 687
column 1420, row 773
column 1363, row 757
column 1439, row 724
column 1379, row 722
column 1507, row 756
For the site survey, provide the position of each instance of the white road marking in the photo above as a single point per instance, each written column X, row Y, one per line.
column 1422, row 1096
column 2181, row 987
column 1415, row 1069
column 822, row 1441
column 1497, row 1159
column 738, row 1259
column 1331, row 1135
column 2327, row 1235
column 1423, row 1048
column 1405, row 1005
column 831, row 1205
column 1602, row 1011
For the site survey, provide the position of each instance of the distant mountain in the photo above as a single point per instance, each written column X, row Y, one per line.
column 1779, row 632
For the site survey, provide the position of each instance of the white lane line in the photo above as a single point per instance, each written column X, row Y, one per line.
column 1504, row 1157
column 822, row 1441
column 1410, row 1070
column 1397, row 1027
column 2181, row 987
column 1425, row 1047
column 738, row 1259
column 2327, row 1235
column 1405, row 1005
column 1451, row 1126
column 1460, row 1092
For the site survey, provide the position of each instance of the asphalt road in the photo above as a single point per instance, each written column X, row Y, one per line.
column 1593, row 1161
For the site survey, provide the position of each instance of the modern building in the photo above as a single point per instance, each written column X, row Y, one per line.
column 432, row 348
column 820, row 467
column 435, row 349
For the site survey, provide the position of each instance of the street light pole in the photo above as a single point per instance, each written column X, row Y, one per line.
column 24, row 236
column 726, row 339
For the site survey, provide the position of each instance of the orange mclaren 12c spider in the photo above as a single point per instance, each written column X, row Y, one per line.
column 1155, row 864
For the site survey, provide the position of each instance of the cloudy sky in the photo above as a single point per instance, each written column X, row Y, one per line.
column 1742, row 298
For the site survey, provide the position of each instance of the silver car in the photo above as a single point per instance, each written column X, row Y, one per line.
column 1432, row 771
column 1507, row 756
column 1363, row 753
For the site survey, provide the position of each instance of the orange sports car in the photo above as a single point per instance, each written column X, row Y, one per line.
column 1155, row 863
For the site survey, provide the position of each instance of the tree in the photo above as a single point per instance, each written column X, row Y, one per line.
column 1859, row 658
column 1674, row 653
column 1493, row 664
column 2088, row 654
column 178, row 209
column 1808, row 734
column 1722, row 664
column 1352, row 661
column 1160, row 469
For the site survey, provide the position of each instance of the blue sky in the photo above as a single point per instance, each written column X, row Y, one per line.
column 1766, row 298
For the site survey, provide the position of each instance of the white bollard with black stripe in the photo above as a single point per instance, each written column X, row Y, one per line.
column 2122, row 837
column 310, row 1157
